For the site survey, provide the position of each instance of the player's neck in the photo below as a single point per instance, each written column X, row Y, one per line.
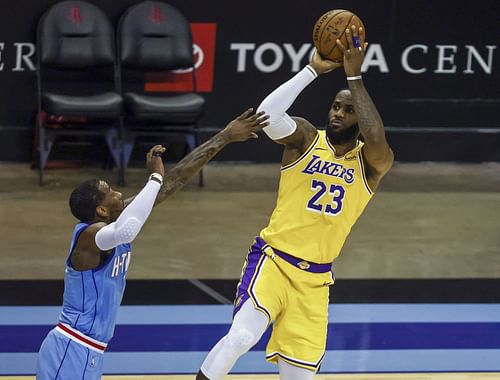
column 341, row 149
column 100, row 219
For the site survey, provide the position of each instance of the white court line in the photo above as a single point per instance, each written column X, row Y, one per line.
column 254, row 362
column 211, row 292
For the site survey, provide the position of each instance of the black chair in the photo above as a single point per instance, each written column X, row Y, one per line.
column 76, row 78
column 155, row 38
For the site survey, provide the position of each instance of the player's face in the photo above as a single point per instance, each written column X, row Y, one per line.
column 112, row 201
column 342, row 120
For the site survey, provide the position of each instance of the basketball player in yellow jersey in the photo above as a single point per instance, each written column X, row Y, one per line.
column 327, row 178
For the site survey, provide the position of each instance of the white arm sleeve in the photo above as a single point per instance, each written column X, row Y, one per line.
column 130, row 221
column 277, row 103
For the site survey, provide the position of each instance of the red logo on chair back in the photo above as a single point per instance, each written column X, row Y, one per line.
column 156, row 16
column 181, row 80
column 75, row 14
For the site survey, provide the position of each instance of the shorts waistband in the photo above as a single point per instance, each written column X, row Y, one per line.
column 307, row 266
column 81, row 338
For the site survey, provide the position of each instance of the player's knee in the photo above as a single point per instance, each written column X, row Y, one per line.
column 241, row 340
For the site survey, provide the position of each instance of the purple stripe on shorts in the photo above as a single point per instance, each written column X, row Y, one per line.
column 251, row 269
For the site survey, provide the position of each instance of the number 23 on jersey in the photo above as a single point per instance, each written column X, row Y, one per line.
column 327, row 199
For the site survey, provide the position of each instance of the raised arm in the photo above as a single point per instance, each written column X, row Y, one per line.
column 242, row 128
column 99, row 238
column 295, row 133
column 376, row 151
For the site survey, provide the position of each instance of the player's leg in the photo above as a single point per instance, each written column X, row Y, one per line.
column 291, row 372
column 258, row 300
column 55, row 357
column 248, row 326
column 63, row 359
column 300, row 330
column 50, row 356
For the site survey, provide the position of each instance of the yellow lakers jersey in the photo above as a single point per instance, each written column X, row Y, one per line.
column 320, row 197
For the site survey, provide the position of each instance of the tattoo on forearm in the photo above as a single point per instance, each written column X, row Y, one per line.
column 369, row 120
column 378, row 156
column 190, row 165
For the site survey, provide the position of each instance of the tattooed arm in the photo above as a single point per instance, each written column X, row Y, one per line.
column 242, row 128
column 377, row 154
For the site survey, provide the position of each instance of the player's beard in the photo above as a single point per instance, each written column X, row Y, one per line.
column 342, row 136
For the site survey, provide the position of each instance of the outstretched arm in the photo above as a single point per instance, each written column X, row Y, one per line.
column 242, row 128
column 376, row 151
column 295, row 133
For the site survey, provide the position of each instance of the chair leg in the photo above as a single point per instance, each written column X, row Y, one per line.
column 121, row 170
column 127, row 142
column 115, row 146
column 128, row 147
column 41, row 137
column 123, row 163
column 201, row 182
column 46, row 140
column 192, row 141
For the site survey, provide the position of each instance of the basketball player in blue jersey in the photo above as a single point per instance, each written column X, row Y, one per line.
column 100, row 253
column 327, row 178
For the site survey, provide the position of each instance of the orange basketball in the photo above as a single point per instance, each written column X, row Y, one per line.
column 330, row 27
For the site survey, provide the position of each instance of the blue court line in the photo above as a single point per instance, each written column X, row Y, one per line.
column 222, row 314
column 254, row 362
column 342, row 336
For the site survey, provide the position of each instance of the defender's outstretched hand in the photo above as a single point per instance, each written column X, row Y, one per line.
column 355, row 53
column 154, row 161
column 246, row 126
column 322, row 65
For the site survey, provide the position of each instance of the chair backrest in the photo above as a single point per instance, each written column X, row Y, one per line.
column 75, row 35
column 154, row 36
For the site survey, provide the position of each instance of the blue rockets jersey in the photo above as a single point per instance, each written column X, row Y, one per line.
column 92, row 297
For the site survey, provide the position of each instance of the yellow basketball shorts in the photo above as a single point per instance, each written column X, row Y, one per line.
column 295, row 300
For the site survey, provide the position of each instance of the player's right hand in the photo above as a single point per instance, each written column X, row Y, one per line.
column 154, row 161
column 322, row 65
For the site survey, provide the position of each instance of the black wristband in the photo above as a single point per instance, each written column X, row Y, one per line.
column 156, row 177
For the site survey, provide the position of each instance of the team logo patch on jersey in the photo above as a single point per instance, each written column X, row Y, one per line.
column 304, row 265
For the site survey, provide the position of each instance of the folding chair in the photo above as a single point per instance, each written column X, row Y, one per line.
column 76, row 78
column 154, row 37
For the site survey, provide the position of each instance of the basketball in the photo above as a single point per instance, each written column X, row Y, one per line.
column 330, row 27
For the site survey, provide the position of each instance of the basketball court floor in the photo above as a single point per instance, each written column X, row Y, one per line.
column 380, row 376
column 416, row 296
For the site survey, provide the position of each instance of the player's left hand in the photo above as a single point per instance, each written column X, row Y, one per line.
column 154, row 161
column 246, row 126
column 355, row 52
column 322, row 65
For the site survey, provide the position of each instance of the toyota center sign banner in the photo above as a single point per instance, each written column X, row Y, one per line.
column 432, row 68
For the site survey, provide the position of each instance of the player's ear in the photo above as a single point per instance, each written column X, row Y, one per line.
column 101, row 211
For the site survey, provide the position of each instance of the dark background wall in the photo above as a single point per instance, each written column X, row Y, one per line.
column 441, row 104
